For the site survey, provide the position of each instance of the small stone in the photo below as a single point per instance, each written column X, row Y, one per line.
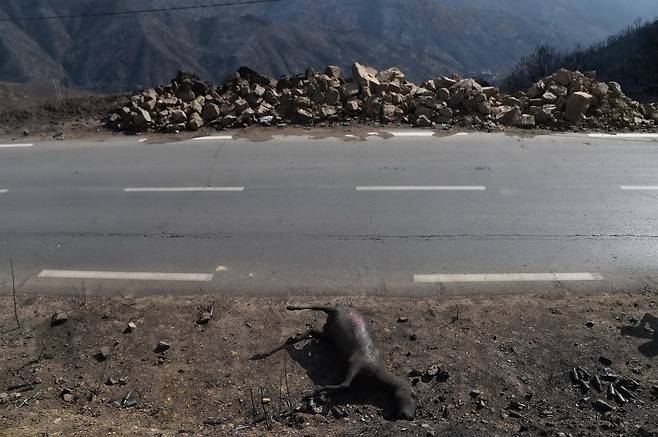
column 629, row 383
column 103, row 353
column 605, row 360
column 4, row 398
column 68, row 397
column 111, row 381
column 475, row 393
column 433, row 370
column 423, row 121
column 583, row 386
column 602, row 406
column 130, row 327
column 589, row 324
column 596, row 383
column 59, row 318
column 162, row 346
column 320, row 418
column 403, row 319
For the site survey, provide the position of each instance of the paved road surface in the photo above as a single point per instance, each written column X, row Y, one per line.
column 407, row 215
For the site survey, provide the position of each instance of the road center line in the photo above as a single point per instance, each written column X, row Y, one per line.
column 181, row 189
column 422, row 188
column 639, row 187
column 506, row 277
column 133, row 276
column 7, row 146
column 216, row 137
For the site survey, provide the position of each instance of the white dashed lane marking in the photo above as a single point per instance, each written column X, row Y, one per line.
column 131, row 276
column 3, row 191
column 181, row 189
column 216, row 137
column 506, row 277
column 412, row 133
column 639, row 187
column 10, row 146
column 422, row 188
column 626, row 135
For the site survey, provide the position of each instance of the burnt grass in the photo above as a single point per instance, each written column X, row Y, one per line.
column 503, row 366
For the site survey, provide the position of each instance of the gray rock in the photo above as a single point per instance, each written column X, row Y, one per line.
column 548, row 97
column 210, row 112
column 178, row 116
column 577, row 105
column 352, row 106
column 365, row 76
column 490, row 91
column 195, row 122
column 602, row 406
column 615, row 89
column 389, row 75
column 350, row 89
column 228, row 121
column 103, row 353
column 443, row 94
column 162, row 346
column 526, row 121
column 563, row 77
column 332, row 96
column 422, row 121
column 240, row 105
column 509, row 115
column 333, row 71
column 59, row 318
column 558, row 90
column 186, row 95
column 536, row 90
column 130, row 327
column 600, row 90
column 141, row 119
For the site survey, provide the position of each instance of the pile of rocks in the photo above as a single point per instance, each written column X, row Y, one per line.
column 559, row 101
column 572, row 97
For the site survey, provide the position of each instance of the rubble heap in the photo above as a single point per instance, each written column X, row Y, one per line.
column 559, row 101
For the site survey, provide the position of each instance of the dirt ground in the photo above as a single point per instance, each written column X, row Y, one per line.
column 503, row 366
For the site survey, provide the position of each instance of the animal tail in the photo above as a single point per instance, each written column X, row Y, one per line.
column 324, row 309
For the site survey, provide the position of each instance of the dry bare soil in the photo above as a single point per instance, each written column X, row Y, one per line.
column 503, row 363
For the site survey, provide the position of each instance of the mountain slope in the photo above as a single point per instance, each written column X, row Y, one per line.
column 424, row 37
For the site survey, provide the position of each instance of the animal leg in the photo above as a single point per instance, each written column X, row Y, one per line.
column 311, row 333
column 351, row 373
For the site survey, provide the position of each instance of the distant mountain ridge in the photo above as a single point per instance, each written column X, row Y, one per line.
column 424, row 37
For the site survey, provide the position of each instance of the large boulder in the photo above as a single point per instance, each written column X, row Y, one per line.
column 390, row 75
column 600, row 90
column 563, row 77
column 195, row 122
column 365, row 76
column 536, row 90
column 333, row 71
column 254, row 77
column 332, row 96
column 615, row 89
column 577, row 105
column 178, row 116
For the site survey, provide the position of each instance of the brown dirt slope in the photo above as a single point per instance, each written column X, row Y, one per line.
column 503, row 362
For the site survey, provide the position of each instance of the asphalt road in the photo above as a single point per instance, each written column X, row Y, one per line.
column 295, row 215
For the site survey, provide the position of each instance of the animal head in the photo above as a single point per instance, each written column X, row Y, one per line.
column 405, row 398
